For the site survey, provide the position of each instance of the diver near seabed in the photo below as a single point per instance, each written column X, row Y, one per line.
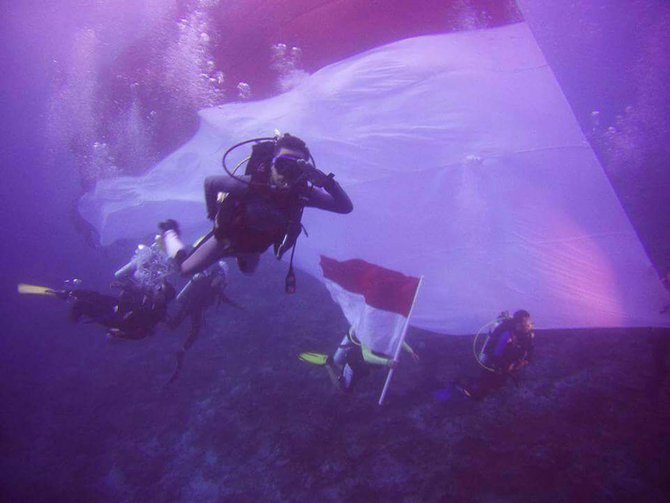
column 141, row 304
column 666, row 282
column 507, row 349
column 352, row 361
column 200, row 293
column 660, row 354
column 260, row 209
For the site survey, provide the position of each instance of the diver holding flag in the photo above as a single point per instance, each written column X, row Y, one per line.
column 352, row 361
column 377, row 302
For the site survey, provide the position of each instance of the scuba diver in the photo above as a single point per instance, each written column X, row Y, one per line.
column 145, row 292
column 352, row 361
column 131, row 315
column 139, row 307
column 260, row 209
column 507, row 349
column 660, row 370
column 200, row 293
column 666, row 282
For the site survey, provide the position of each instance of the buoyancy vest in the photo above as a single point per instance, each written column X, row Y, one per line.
column 258, row 219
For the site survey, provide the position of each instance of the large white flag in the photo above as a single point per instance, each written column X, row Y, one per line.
column 465, row 164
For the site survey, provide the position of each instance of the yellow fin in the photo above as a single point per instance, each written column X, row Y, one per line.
column 314, row 358
column 35, row 290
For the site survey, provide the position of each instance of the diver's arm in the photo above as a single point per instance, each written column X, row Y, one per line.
column 222, row 183
column 374, row 359
column 331, row 198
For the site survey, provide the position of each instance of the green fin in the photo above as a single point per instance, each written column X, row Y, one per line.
column 35, row 290
column 314, row 358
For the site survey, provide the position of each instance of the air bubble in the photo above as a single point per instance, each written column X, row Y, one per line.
column 243, row 90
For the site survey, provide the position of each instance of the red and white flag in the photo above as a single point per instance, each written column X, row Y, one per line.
column 376, row 301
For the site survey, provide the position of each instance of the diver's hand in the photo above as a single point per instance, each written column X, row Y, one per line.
column 415, row 357
column 315, row 176
column 393, row 364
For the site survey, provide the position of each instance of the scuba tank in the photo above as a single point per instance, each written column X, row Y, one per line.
column 258, row 168
column 488, row 333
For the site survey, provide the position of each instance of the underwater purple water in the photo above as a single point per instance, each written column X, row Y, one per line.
column 84, row 418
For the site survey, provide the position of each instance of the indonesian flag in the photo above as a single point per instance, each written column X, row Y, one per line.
column 376, row 301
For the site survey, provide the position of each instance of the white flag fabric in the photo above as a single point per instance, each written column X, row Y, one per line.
column 465, row 165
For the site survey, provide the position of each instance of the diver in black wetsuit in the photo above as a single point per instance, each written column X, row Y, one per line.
column 200, row 293
column 131, row 315
column 260, row 209
column 142, row 301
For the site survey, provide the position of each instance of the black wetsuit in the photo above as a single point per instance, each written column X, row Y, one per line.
column 660, row 352
column 132, row 315
column 255, row 216
column 203, row 291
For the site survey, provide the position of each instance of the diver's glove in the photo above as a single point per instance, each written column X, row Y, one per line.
column 169, row 225
column 315, row 176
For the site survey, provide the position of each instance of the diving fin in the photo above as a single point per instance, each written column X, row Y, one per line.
column 25, row 289
column 314, row 358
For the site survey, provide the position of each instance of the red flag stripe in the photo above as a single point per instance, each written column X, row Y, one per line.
column 382, row 288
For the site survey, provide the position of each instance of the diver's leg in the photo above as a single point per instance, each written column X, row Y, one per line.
column 488, row 383
column 248, row 262
column 336, row 364
column 196, row 324
column 128, row 334
column 96, row 306
column 174, row 246
column 204, row 255
column 347, row 378
column 178, row 318
column 342, row 352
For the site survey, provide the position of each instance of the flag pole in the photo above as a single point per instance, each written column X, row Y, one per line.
column 401, row 342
